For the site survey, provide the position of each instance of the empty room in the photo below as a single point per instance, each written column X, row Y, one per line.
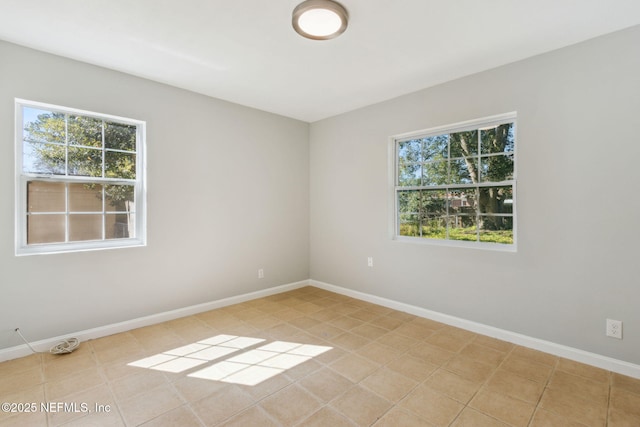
column 319, row 213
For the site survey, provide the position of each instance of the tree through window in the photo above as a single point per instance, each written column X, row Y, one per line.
column 457, row 183
column 81, row 179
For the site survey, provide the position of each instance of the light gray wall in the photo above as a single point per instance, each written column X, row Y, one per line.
column 578, row 204
column 227, row 194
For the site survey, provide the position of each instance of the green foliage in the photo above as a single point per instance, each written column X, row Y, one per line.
column 497, row 236
column 457, row 158
column 452, row 160
column 462, row 234
column 71, row 145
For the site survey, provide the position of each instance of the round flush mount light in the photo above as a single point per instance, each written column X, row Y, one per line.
column 320, row 19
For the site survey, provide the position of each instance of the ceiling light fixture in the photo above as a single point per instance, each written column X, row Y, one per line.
column 320, row 19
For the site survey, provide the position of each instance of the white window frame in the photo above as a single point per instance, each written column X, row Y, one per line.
column 21, row 179
column 394, row 188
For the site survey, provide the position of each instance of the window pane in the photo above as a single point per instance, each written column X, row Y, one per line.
column 120, row 226
column 120, row 137
column 43, row 158
column 434, row 227
column 499, row 139
column 434, row 202
column 497, row 168
column 66, row 158
column 85, row 198
column 465, row 189
column 462, row 214
column 435, row 147
column 496, row 229
column 45, row 229
column 45, row 196
column 120, row 165
column 43, row 126
column 435, row 173
column 464, row 171
column 409, row 225
column 85, row 162
column 119, row 198
column 409, row 201
column 410, row 150
column 85, row 131
column 85, row 227
column 462, row 201
column 409, row 174
column 464, row 144
column 463, row 227
column 496, row 200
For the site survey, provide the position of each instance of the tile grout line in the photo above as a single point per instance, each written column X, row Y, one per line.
column 107, row 382
column 545, row 388
column 354, row 352
column 606, row 420
column 483, row 384
column 414, row 341
column 406, row 352
column 385, row 365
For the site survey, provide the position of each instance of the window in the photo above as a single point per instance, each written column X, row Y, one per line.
column 456, row 184
column 80, row 180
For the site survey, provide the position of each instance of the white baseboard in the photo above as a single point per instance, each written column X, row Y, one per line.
column 593, row 359
column 103, row 331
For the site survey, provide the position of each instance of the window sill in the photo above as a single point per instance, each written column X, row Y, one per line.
column 497, row 247
column 44, row 249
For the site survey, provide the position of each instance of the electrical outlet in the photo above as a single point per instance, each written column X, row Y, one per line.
column 260, row 273
column 370, row 261
column 614, row 328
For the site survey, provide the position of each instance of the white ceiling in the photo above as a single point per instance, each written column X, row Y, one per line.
column 246, row 51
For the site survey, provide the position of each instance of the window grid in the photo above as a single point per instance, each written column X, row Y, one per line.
column 120, row 195
column 68, row 212
column 451, row 183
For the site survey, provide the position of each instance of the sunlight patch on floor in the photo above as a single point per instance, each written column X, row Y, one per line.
column 242, row 366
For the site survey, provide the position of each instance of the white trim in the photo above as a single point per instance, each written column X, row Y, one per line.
column 392, row 203
column 21, row 247
column 395, row 188
column 20, row 227
column 593, row 359
column 114, row 328
column 496, row 247
column 485, row 122
column 69, row 110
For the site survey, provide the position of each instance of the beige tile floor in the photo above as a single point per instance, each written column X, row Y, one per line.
column 317, row 359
